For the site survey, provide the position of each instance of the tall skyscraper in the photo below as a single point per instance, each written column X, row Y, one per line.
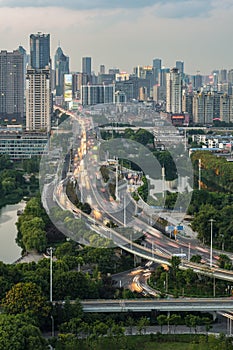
column 174, row 92
column 39, row 50
column 86, row 67
column 11, row 87
column 38, row 100
column 61, row 65
column 180, row 66
column 38, row 84
column 157, row 65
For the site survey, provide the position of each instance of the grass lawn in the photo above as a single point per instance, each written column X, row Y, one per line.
column 175, row 346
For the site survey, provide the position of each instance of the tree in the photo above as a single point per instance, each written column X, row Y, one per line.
column 174, row 320
column 201, row 222
column 196, row 258
column 20, row 333
column 26, row 298
column 162, row 320
column 142, row 324
column 192, row 321
column 224, row 262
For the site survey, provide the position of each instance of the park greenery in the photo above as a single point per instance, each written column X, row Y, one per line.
column 172, row 281
column 17, row 179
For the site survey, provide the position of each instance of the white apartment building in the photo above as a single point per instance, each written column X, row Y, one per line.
column 38, row 100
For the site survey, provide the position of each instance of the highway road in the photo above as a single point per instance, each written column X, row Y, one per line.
column 143, row 305
column 159, row 248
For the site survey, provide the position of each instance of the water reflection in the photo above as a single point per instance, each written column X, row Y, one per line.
column 9, row 250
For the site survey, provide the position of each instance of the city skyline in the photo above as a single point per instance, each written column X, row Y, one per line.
column 126, row 34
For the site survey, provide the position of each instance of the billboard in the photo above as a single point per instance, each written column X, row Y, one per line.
column 67, row 87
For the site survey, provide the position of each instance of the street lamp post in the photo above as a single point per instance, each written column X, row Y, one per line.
column 211, row 241
column 50, row 252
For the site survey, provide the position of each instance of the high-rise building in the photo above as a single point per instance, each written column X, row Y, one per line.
column 38, row 100
column 102, row 69
column 222, row 76
column 209, row 108
column 180, row 66
column 38, row 84
column 11, row 87
column 86, row 67
column 187, row 104
column 197, row 81
column 224, row 108
column 157, row 65
column 61, row 66
column 94, row 94
column 39, row 50
column 25, row 62
column 199, row 108
column 174, row 92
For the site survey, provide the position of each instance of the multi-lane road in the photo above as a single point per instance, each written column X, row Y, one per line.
column 157, row 247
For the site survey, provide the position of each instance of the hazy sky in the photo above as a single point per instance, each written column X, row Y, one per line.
column 126, row 33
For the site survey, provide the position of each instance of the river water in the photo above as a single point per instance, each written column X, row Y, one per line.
column 9, row 250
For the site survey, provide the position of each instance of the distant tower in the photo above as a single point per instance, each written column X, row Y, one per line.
column 102, row 69
column 174, row 92
column 38, row 84
column 180, row 66
column 39, row 50
column 86, row 67
column 61, row 65
column 157, row 65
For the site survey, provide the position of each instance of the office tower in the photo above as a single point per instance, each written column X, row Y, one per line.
column 94, row 94
column 157, row 65
column 11, row 87
column 180, row 66
column 102, row 69
column 197, row 81
column 39, row 50
column 86, row 67
column 174, row 92
column 38, row 84
column 230, row 76
column 38, row 100
column 222, row 76
column 61, row 66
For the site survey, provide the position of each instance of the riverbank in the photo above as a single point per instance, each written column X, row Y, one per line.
column 9, row 250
